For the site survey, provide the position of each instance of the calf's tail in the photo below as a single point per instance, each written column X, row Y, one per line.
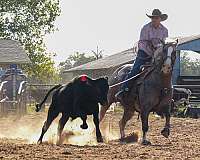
column 39, row 106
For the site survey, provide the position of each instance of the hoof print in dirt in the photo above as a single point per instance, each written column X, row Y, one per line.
column 165, row 132
column 131, row 138
column 145, row 142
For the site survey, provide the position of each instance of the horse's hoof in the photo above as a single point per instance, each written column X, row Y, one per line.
column 58, row 143
column 84, row 126
column 122, row 139
column 145, row 142
column 100, row 140
column 165, row 132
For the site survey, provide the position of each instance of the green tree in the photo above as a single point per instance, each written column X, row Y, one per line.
column 28, row 21
column 189, row 67
column 65, row 65
column 78, row 59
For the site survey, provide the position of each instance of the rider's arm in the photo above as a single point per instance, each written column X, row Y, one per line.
column 143, row 38
column 144, row 34
column 165, row 33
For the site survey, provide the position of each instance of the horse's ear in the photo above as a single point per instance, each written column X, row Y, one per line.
column 177, row 41
column 162, row 42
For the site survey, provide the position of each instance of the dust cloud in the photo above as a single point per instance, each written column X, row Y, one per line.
column 28, row 129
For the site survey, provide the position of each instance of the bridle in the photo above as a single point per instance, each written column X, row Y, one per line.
column 168, row 61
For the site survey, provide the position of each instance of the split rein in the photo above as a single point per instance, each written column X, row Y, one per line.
column 117, row 84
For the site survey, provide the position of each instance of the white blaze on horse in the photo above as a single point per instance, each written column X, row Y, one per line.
column 167, row 66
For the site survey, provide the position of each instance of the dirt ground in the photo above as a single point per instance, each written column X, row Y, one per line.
column 18, row 140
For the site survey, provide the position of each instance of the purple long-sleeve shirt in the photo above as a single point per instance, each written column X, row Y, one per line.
column 148, row 33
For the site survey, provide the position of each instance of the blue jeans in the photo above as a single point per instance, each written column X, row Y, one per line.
column 141, row 59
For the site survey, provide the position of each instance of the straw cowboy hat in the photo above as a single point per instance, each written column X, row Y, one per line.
column 158, row 13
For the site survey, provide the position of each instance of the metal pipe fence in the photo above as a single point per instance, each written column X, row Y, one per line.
column 195, row 89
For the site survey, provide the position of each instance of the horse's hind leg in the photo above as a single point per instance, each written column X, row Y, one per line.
column 128, row 114
column 52, row 114
column 61, row 125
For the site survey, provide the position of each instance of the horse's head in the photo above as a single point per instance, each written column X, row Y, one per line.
column 165, row 56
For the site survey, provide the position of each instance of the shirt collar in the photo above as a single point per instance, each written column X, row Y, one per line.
column 160, row 26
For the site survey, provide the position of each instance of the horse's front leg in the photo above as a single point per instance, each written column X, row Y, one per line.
column 128, row 114
column 102, row 113
column 144, row 118
column 166, row 130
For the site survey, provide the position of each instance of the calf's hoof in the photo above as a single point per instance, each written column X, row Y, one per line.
column 165, row 132
column 84, row 126
column 145, row 142
column 99, row 139
column 39, row 142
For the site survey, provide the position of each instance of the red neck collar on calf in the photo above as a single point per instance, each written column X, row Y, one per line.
column 83, row 78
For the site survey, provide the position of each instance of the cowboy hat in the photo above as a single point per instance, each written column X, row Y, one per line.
column 158, row 13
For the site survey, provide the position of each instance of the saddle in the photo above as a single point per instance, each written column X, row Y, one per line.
column 134, row 84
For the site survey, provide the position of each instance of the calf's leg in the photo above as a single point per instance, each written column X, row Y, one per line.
column 52, row 114
column 84, row 119
column 96, row 122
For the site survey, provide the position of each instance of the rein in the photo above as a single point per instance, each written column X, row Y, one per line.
column 114, row 85
column 153, row 60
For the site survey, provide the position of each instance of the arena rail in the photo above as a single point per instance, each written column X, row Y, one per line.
column 195, row 89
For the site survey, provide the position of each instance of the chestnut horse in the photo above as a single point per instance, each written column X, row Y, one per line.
column 149, row 92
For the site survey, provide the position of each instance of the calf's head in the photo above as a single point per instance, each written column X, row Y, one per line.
column 102, row 88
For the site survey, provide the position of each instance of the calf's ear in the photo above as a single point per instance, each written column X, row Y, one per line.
column 106, row 78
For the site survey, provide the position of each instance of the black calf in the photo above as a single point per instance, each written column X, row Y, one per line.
column 77, row 99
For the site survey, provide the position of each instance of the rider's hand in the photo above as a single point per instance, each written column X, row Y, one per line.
column 156, row 43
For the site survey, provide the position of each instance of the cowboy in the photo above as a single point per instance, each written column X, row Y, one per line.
column 150, row 37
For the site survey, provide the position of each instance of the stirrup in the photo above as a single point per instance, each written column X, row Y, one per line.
column 119, row 93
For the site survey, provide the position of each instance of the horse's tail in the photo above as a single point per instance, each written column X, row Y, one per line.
column 39, row 106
